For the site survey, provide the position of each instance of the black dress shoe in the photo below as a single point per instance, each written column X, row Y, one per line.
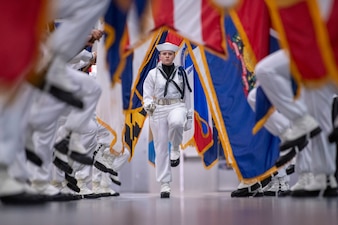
column 328, row 193
column 245, row 192
column 24, row 199
column 105, row 194
column 253, row 190
column 91, row 196
column 115, row 194
column 299, row 193
column 109, row 194
column 284, row 193
column 277, row 193
column 240, row 193
column 61, row 197
column 175, row 163
column 165, row 194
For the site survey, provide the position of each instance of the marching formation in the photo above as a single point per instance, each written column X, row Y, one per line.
column 53, row 148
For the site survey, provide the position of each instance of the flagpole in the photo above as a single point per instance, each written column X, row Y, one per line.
column 181, row 172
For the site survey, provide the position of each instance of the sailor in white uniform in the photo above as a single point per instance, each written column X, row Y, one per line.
column 166, row 98
column 309, row 117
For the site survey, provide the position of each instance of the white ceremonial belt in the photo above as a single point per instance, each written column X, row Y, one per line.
column 168, row 101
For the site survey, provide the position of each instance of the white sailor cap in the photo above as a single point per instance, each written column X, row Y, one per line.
column 167, row 47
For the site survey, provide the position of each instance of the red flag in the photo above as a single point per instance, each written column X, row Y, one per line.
column 253, row 23
column 311, row 41
column 174, row 39
column 21, row 26
column 197, row 20
column 333, row 30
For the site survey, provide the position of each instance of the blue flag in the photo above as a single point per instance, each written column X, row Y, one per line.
column 250, row 155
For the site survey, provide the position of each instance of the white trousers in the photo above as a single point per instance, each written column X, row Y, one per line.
column 89, row 141
column 82, row 172
column 48, row 109
column 44, row 117
column 13, row 122
column 104, row 136
column 276, row 125
column 43, row 141
column 274, row 76
column 166, row 125
column 323, row 154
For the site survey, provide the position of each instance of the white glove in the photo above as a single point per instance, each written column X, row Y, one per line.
column 188, row 123
column 150, row 108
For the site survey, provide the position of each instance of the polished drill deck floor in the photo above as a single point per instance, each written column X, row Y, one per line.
column 180, row 209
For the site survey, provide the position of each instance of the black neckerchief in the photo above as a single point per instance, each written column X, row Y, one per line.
column 170, row 78
column 168, row 72
column 182, row 72
column 168, row 69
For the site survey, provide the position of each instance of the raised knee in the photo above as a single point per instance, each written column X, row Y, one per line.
column 176, row 124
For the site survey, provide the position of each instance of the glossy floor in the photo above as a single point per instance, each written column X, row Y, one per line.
column 184, row 209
